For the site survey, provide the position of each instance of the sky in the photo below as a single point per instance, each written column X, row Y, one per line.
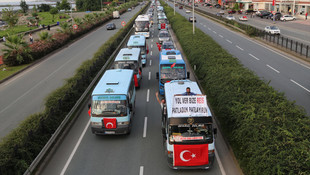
column 14, row 0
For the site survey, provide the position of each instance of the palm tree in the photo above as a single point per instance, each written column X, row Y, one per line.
column 65, row 28
column 17, row 50
column 45, row 36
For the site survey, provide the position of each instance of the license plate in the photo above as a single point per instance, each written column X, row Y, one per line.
column 109, row 132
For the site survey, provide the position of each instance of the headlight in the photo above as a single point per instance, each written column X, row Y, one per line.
column 170, row 154
column 96, row 123
column 123, row 123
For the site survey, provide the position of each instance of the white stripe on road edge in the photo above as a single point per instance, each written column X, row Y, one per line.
column 75, row 148
column 221, row 36
column 148, row 95
column 145, row 127
column 253, row 56
column 214, row 31
column 151, row 45
column 151, row 53
column 300, row 85
column 150, row 62
column 239, row 47
column 141, row 170
column 149, row 75
column 152, row 40
column 272, row 68
column 228, row 41
column 220, row 163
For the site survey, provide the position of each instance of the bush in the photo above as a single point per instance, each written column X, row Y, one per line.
column 268, row 133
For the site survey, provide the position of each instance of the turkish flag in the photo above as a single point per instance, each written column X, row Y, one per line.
column 136, row 80
column 190, row 155
column 158, row 46
column 162, row 26
column 109, row 123
column 172, row 65
column 273, row 2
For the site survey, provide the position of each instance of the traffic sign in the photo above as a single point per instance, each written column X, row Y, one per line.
column 123, row 23
column 75, row 27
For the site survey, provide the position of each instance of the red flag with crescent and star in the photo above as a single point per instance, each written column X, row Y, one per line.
column 172, row 65
column 190, row 155
column 158, row 46
column 273, row 2
column 109, row 123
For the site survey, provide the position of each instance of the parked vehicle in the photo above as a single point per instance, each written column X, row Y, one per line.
column 222, row 12
column 190, row 19
column 180, row 7
column 272, row 30
column 263, row 14
column 230, row 17
column 249, row 11
column 277, row 16
column 231, row 11
column 243, row 18
column 217, row 6
column 111, row 26
column 287, row 18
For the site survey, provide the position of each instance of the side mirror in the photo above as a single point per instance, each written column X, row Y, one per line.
column 130, row 106
column 188, row 75
column 157, row 75
column 164, row 133
column 134, row 26
column 215, row 131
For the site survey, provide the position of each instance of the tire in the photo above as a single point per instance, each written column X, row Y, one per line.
column 284, row 20
column 294, row 19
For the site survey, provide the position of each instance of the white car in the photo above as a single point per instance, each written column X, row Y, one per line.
column 272, row 30
column 287, row 18
column 187, row 11
column 230, row 17
column 243, row 18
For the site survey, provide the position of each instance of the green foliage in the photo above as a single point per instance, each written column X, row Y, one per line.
column 44, row 7
column 23, row 5
column 9, row 16
column 58, row 6
column 45, row 36
column 88, row 5
column 236, row 7
column 65, row 28
column 268, row 133
column 16, row 51
column 53, row 12
column 65, row 5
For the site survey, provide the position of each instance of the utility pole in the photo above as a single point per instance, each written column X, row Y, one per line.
column 193, row 17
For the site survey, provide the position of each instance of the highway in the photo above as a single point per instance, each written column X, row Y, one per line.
column 284, row 72
column 141, row 152
column 24, row 94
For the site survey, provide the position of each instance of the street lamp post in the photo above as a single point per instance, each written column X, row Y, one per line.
column 174, row 8
column 101, row 5
column 193, row 21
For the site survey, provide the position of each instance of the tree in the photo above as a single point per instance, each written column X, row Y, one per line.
column 65, row 5
column 17, row 51
column 34, row 9
column 45, row 36
column 24, row 6
column 9, row 16
column 53, row 12
column 84, row 5
column 65, row 28
column 58, row 6
column 44, row 7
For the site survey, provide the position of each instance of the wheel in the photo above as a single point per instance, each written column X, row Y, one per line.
column 284, row 20
column 294, row 19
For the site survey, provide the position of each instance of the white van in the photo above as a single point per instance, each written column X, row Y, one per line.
column 116, row 14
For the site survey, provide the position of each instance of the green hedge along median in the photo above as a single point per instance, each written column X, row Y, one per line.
column 21, row 146
column 268, row 133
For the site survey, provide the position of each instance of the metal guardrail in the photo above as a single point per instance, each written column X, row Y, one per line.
column 284, row 42
column 66, row 122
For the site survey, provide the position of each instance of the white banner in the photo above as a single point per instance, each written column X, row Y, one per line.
column 189, row 106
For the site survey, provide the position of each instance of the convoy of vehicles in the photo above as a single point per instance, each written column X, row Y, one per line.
column 142, row 25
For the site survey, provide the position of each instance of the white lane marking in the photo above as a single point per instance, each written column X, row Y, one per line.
column 141, row 170
column 148, row 95
column 145, row 127
column 221, row 36
column 209, row 28
column 75, row 148
column 152, row 40
column 272, row 68
column 214, row 31
column 150, row 62
column 204, row 25
column 239, row 47
column 300, row 85
column 254, row 56
column 229, row 41
column 220, row 163
column 151, row 53
column 151, row 45
column 200, row 23
column 149, row 75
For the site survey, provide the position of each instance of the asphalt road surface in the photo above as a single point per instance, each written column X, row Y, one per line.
column 285, row 73
column 141, row 152
column 24, row 94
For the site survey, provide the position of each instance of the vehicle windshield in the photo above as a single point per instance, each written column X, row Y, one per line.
column 172, row 71
column 190, row 133
column 168, row 46
column 142, row 26
column 161, row 21
column 163, row 34
column 133, row 65
column 274, row 28
column 105, row 106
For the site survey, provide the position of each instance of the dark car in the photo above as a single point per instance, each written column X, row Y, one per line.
column 264, row 14
column 217, row 6
column 231, row 11
column 111, row 26
column 207, row 4
column 167, row 45
column 277, row 16
column 249, row 11
column 181, row 7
